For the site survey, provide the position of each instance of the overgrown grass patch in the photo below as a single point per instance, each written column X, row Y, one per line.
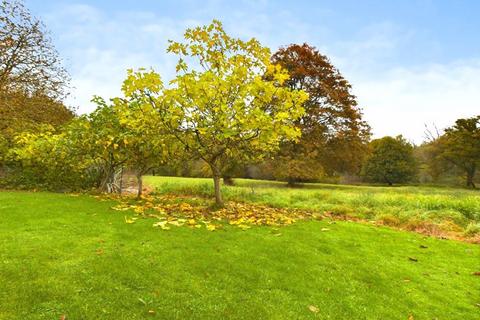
column 400, row 206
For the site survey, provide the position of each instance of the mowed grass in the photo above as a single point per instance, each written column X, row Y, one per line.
column 74, row 256
column 448, row 208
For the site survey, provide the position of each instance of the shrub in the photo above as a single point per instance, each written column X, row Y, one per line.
column 49, row 161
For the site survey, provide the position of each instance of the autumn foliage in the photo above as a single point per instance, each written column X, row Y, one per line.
column 174, row 210
column 227, row 101
column 334, row 135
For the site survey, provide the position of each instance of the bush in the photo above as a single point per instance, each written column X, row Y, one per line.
column 50, row 161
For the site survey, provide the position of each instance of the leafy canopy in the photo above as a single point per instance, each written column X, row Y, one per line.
column 334, row 136
column 227, row 100
column 460, row 145
column 49, row 159
column 391, row 161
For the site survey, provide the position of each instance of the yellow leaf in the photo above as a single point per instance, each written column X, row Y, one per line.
column 130, row 220
column 162, row 225
column 120, row 208
column 211, row 227
column 138, row 209
column 314, row 309
column 175, row 223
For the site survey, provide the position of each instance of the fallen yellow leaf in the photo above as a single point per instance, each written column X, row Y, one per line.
column 130, row 220
column 314, row 309
column 162, row 225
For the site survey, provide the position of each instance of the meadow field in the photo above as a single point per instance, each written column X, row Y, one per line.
column 421, row 208
column 74, row 256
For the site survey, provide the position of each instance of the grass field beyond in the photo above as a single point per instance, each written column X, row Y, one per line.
column 431, row 209
column 75, row 256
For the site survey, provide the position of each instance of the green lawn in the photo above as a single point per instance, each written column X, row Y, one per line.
column 410, row 206
column 74, row 256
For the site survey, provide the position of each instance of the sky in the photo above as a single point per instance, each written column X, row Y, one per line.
column 411, row 63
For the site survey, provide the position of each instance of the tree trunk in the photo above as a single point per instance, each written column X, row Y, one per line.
column 121, row 181
column 218, row 194
column 470, row 176
column 390, row 183
column 140, row 185
column 291, row 182
column 227, row 180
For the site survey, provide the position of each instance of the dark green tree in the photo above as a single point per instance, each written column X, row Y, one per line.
column 391, row 160
column 460, row 146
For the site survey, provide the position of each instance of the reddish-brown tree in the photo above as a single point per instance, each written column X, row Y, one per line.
column 334, row 135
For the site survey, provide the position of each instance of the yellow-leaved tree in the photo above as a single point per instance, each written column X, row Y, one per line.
column 227, row 101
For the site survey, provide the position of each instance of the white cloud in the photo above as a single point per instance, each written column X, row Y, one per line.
column 402, row 101
column 99, row 46
column 371, row 45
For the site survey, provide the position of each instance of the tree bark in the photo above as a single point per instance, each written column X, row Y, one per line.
column 140, row 185
column 121, row 182
column 470, row 176
column 218, row 193
column 217, row 176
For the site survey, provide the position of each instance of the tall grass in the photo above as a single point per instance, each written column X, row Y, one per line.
column 395, row 204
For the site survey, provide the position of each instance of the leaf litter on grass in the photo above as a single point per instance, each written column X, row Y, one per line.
column 174, row 210
column 199, row 212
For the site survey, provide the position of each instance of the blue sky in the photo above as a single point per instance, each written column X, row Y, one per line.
column 411, row 63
